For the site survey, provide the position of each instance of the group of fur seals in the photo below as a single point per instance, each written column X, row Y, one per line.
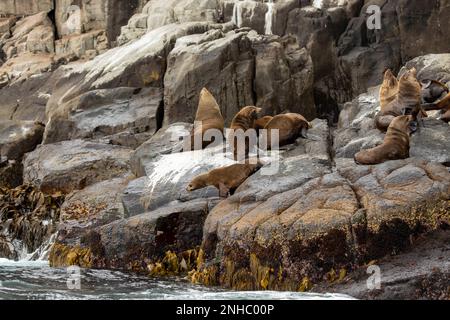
column 290, row 125
column 395, row 145
column 398, row 96
column 402, row 103
column 226, row 179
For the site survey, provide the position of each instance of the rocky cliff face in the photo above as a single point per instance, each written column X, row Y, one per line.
column 95, row 98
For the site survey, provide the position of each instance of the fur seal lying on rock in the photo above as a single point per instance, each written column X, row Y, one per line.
column 241, row 123
column 226, row 179
column 208, row 117
column 443, row 105
column 395, row 145
column 291, row 126
column 432, row 90
column 408, row 97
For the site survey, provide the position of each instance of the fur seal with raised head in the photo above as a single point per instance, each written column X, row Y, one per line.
column 389, row 89
column 226, row 179
column 291, row 126
column 208, row 117
column 408, row 98
column 243, row 121
column 395, row 145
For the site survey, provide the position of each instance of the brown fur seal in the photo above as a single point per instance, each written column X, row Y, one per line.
column 389, row 89
column 407, row 98
column 290, row 125
column 226, row 179
column 244, row 120
column 210, row 117
column 443, row 105
column 432, row 90
column 395, row 145
column 262, row 122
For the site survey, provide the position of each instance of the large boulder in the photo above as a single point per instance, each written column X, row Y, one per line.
column 28, row 48
column 168, row 175
column 223, row 63
column 284, row 77
column 85, row 16
column 138, row 65
column 147, row 242
column 167, row 140
column 275, row 233
column 404, row 33
column 30, row 107
column 431, row 66
column 240, row 68
column 73, row 165
column 95, row 205
column 33, row 34
column 19, row 137
column 106, row 113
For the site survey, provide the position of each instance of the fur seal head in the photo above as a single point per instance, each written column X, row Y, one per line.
column 389, row 88
column 409, row 92
column 245, row 119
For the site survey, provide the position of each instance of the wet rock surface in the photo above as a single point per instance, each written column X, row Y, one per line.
column 28, row 218
column 421, row 272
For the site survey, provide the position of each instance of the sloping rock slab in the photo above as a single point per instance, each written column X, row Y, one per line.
column 104, row 113
column 72, row 165
column 290, row 230
column 19, row 137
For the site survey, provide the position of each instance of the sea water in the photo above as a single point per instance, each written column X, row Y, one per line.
column 35, row 280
